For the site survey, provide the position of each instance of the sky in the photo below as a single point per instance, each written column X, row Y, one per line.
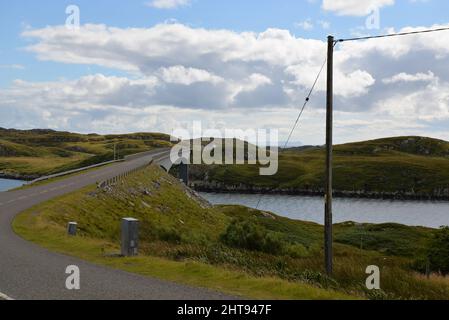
column 160, row 65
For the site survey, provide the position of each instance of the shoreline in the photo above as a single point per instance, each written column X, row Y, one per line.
column 18, row 177
column 199, row 186
column 320, row 193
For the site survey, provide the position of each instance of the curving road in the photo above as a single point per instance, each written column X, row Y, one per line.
column 29, row 272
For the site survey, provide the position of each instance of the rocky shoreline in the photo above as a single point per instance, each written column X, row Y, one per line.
column 438, row 195
column 16, row 176
column 215, row 187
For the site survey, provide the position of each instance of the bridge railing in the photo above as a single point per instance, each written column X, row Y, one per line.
column 66, row 173
column 120, row 177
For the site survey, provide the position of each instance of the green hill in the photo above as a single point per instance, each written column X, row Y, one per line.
column 393, row 167
column 401, row 167
column 234, row 249
column 29, row 154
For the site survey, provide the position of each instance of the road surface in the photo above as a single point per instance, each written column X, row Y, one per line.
column 29, row 272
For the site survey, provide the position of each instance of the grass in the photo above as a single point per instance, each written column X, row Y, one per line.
column 388, row 238
column 188, row 272
column 33, row 153
column 401, row 165
column 193, row 273
column 182, row 239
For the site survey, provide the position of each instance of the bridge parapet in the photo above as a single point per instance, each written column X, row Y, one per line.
column 118, row 178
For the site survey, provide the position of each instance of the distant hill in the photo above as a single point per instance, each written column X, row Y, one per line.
column 412, row 145
column 399, row 167
column 28, row 154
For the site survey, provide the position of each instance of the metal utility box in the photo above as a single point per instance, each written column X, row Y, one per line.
column 130, row 237
column 72, row 228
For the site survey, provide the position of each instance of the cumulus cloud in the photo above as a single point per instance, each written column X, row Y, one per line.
column 216, row 56
column 430, row 103
column 352, row 84
column 324, row 24
column 138, row 49
column 187, row 76
column 405, row 77
column 168, row 4
column 305, row 25
column 354, row 7
column 175, row 72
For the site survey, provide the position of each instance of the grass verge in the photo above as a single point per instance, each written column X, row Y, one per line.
column 193, row 273
column 233, row 249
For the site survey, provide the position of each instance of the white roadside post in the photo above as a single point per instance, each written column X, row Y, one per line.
column 130, row 237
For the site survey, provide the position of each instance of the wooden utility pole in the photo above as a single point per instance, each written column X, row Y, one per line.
column 328, row 237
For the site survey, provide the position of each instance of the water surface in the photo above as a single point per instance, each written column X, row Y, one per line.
column 8, row 184
column 413, row 213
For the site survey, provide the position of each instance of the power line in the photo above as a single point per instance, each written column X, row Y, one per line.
column 305, row 104
column 393, row 35
column 299, row 117
column 258, row 202
column 347, row 40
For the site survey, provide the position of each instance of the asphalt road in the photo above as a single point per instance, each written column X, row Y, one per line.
column 29, row 272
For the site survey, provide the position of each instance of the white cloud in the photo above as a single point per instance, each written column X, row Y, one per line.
column 324, row 24
column 175, row 72
column 144, row 50
column 354, row 7
column 308, row 24
column 430, row 103
column 405, row 77
column 187, row 76
column 347, row 85
column 168, row 4
column 305, row 25
column 249, row 84
column 197, row 55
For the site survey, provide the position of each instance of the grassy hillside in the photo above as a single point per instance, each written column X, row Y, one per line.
column 32, row 153
column 413, row 166
column 229, row 248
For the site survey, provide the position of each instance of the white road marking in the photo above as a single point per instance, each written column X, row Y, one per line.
column 5, row 297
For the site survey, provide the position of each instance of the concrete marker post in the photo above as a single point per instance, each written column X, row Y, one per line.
column 130, row 237
column 72, row 228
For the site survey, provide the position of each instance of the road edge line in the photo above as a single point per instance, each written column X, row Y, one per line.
column 5, row 297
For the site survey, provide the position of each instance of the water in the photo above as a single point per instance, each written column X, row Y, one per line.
column 412, row 213
column 7, row 184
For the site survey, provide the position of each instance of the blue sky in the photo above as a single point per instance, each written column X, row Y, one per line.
column 251, row 15
column 303, row 20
